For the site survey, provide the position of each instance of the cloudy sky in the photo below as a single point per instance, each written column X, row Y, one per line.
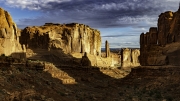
column 120, row 21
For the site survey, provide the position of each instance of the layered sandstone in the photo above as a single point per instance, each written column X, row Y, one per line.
column 160, row 46
column 126, row 57
column 70, row 38
column 130, row 58
column 9, row 36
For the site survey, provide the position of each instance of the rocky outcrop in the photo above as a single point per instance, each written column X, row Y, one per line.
column 130, row 58
column 69, row 38
column 135, row 57
column 107, row 49
column 126, row 57
column 161, row 47
column 164, row 26
column 9, row 36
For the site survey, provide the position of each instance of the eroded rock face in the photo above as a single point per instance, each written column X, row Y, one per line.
column 135, row 57
column 164, row 26
column 9, row 36
column 68, row 37
column 126, row 57
column 107, row 49
column 158, row 47
column 130, row 58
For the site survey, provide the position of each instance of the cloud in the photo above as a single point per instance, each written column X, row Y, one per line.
column 96, row 13
column 131, row 17
column 32, row 4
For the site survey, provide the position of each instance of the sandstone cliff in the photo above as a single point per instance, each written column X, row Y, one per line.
column 160, row 46
column 71, row 38
column 130, row 58
column 9, row 35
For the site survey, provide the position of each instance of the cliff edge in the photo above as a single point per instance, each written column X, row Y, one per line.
column 71, row 38
column 9, row 35
column 161, row 45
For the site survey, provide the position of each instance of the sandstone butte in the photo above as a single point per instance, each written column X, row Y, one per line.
column 70, row 38
column 57, row 42
column 161, row 45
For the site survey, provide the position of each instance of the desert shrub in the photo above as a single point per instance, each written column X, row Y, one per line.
column 3, row 55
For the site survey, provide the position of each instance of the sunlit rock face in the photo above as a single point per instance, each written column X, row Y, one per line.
column 9, row 35
column 68, row 37
column 126, row 57
column 135, row 57
column 160, row 46
column 130, row 57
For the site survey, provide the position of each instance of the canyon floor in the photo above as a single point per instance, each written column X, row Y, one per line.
column 21, row 82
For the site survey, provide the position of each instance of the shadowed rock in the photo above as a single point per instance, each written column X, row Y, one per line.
column 160, row 46
column 85, row 60
column 107, row 49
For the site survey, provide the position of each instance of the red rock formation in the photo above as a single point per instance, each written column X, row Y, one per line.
column 130, row 58
column 161, row 47
column 126, row 57
column 135, row 57
column 107, row 49
column 164, row 25
column 9, row 36
column 68, row 37
column 153, row 35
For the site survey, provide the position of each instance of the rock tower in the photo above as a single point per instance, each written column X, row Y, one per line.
column 107, row 49
column 161, row 45
column 9, row 35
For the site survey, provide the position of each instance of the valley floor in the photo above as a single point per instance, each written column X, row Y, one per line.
column 19, row 82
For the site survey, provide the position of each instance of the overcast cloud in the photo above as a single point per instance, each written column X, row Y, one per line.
column 96, row 13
